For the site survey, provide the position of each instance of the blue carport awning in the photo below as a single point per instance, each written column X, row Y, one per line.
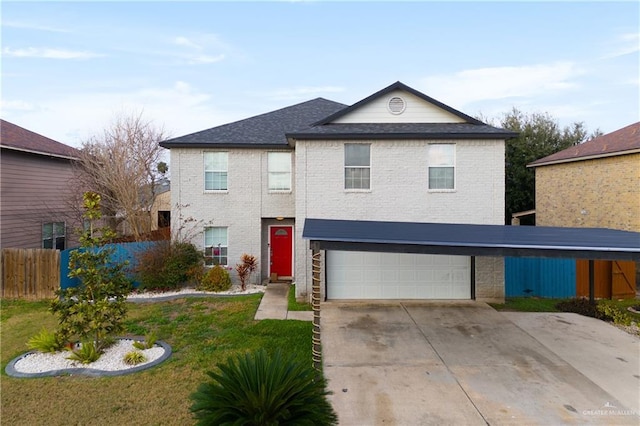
column 472, row 240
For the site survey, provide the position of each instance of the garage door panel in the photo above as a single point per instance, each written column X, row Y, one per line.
column 366, row 275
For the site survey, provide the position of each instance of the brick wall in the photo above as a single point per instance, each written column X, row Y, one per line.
column 601, row 193
column 398, row 188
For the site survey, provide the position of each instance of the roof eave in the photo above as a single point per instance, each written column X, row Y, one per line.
column 584, row 158
column 213, row 145
column 44, row 154
column 407, row 135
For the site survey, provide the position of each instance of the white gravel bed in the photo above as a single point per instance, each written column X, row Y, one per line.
column 110, row 360
column 235, row 290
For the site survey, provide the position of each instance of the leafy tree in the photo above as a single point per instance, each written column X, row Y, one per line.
column 95, row 310
column 539, row 136
column 122, row 165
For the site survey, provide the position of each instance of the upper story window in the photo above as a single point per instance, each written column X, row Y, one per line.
column 54, row 235
column 216, row 165
column 357, row 166
column 216, row 246
column 442, row 164
column 279, row 171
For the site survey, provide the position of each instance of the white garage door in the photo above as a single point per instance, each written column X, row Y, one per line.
column 370, row 275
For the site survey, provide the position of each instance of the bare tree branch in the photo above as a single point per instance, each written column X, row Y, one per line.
column 121, row 165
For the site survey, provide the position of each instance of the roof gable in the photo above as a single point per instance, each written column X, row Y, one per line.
column 21, row 139
column 439, row 112
column 621, row 142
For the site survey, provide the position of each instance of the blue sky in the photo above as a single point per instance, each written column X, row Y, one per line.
column 69, row 67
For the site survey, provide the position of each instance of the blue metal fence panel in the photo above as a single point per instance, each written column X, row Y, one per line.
column 122, row 252
column 540, row 277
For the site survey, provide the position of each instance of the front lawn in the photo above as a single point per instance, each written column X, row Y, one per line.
column 293, row 304
column 201, row 331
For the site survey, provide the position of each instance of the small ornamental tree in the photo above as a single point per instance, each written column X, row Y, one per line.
column 245, row 268
column 95, row 310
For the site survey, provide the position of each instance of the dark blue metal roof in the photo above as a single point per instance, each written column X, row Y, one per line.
column 472, row 240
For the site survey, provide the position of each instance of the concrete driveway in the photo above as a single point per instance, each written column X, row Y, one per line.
column 463, row 363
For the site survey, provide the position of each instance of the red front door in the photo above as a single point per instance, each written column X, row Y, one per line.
column 281, row 248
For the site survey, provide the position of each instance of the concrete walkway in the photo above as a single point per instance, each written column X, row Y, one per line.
column 274, row 305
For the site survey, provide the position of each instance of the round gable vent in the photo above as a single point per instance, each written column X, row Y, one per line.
column 396, row 105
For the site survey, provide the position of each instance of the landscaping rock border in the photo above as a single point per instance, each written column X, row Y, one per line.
column 87, row 371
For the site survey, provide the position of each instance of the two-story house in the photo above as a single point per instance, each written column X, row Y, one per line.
column 397, row 155
column 35, row 175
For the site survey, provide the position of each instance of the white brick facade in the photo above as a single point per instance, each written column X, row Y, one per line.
column 399, row 188
column 241, row 208
column 399, row 170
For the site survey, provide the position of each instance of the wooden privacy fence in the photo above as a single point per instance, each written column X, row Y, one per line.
column 29, row 273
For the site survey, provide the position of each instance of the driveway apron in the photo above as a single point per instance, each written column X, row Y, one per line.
column 458, row 363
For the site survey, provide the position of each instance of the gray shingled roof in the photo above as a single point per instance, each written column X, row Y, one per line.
column 262, row 130
column 403, row 131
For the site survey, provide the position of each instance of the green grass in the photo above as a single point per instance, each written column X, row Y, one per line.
column 535, row 304
column 294, row 305
column 201, row 331
column 527, row 304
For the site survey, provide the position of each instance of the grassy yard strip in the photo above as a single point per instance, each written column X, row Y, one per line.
column 527, row 304
column 294, row 305
column 201, row 331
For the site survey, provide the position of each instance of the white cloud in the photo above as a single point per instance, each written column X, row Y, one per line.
column 205, row 59
column 33, row 26
column 196, row 49
column 46, row 53
column 625, row 44
column 16, row 105
column 483, row 84
column 179, row 108
column 184, row 41
column 301, row 92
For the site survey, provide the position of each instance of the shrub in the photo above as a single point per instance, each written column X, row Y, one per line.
column 149, row 341
column 578, row 306
column 167, row 265
column 216, row 279
column 86, row 354
column 255, row 389
column 45, row 341
column 617, row 314
column 134, row 358
column 244, row 269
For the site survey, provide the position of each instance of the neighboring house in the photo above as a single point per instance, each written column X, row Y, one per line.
column 397, row 155
column 161, row 208
column 594, row 185
column 34, row 182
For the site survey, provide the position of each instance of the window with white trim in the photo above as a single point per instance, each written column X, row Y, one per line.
column 216, row 166
column 279, row 171
column 215, row 246
column 357, row 166
column 442, row 164
column 54, row 235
